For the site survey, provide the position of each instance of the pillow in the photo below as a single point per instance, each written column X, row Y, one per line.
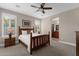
column 24, row 32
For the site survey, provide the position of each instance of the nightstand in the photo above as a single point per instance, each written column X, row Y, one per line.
column 9, row 41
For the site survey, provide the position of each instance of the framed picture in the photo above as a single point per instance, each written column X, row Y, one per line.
column 26, row 23
column 57, row 27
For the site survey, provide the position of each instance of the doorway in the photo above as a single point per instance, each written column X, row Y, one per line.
column 55, row 28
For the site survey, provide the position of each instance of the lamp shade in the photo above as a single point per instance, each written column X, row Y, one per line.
column 10, row 30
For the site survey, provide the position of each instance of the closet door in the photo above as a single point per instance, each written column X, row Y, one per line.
column 77, row 43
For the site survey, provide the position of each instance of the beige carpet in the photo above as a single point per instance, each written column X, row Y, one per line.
column 56, row 49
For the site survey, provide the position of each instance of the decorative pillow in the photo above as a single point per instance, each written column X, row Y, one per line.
column 24, row 32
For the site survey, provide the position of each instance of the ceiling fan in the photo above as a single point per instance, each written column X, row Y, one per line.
column 42, row 8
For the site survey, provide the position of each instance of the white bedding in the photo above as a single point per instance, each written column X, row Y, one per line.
column 26, row 39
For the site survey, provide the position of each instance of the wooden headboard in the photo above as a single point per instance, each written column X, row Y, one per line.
column 25, row 29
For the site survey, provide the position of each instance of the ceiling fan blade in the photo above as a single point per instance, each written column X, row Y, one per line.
column 47, row 8
column 42, row 5
column 34, row 6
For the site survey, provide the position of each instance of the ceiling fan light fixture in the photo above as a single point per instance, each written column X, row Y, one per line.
column 42, row 8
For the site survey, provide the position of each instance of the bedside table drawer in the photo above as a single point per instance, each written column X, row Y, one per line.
column 9, row 42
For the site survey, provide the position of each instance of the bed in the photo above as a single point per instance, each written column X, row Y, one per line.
column 33, row 41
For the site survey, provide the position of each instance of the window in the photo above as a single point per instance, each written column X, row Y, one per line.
column 8, row 21
column 37, row 26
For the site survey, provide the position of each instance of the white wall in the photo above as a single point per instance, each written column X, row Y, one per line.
column 46, row 25
column 69, row 23
column 19, row 18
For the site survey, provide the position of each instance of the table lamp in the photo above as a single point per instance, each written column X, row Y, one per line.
column 10, row 30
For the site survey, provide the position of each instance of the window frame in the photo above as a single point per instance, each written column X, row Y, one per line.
column 15, row 18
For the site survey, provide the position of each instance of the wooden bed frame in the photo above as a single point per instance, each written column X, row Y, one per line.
column 36, row 42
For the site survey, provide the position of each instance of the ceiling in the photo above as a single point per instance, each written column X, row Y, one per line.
column 25, row 8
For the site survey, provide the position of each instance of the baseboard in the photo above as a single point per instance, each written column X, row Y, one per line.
column 1, row 45
column 68, row 43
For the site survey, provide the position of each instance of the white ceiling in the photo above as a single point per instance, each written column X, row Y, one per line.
column 25, row 8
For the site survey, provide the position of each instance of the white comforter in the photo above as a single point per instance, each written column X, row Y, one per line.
column 26, row 39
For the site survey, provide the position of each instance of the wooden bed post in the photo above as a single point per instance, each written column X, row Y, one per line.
column 49, row 37
column 30, row 43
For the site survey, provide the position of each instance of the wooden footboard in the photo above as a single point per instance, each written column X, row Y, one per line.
column 36, row 41
column 39, row 41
